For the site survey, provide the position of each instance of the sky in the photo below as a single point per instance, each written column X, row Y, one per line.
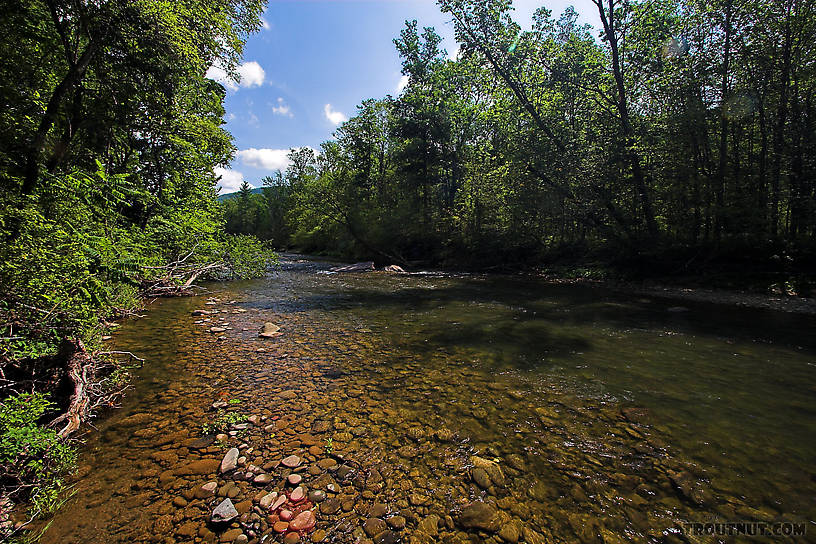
column 314, row 61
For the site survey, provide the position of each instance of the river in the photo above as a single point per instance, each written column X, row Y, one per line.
column 451, row 408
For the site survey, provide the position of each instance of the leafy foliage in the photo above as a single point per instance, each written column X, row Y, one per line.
column 32, row 458
column 109, row 136
column 678, row 133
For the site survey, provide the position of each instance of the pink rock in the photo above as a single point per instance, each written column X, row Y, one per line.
column 304, row 521
column 294, row 479
column 292, row 461
column 278, row 503
column 298, row 494
column 285, row 515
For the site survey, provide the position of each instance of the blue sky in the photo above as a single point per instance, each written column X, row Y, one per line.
column 314, row 61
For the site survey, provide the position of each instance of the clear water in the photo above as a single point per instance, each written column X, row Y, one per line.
column 615, row 418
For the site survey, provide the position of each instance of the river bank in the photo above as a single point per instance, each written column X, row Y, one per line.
column 779, row 302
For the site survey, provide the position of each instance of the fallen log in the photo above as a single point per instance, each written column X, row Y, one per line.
column 356, row 267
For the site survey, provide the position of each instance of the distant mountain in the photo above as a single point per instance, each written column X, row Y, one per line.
column 254, row 191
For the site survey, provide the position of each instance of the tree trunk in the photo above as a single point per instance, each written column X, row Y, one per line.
column 781, row 120
column 723, row 158
column 75, row 74
column 631, row 152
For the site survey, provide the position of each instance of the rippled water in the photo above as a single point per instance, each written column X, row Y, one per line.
column 610, row 417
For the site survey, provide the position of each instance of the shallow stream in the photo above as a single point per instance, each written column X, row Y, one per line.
column 452, row 408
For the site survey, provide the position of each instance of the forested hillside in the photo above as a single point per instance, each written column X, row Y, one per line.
column 680, row 133
column 109, row 133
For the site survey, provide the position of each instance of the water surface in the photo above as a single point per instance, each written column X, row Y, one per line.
column 612, row 417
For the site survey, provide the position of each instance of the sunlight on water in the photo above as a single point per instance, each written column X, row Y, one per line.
column 575, row 414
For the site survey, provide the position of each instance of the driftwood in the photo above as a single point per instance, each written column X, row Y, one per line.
column 178, row 280
column 356, row 267
column 80, row 372
column 87, row 372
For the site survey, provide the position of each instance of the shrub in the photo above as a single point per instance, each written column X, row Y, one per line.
column 33, row 459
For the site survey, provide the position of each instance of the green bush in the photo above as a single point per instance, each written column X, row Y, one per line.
column 33, row 459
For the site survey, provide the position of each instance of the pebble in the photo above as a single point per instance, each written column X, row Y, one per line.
column 294, row 479
column 267, row 500
column 298, row 494
column 280, row 526
column 331, row 506
column 286, row 515
column 262, row 479
column 224, row 512
column 293, row 461
column 317, row 495
column 278, row 502
column 230, row 461
column 374, row 526
column 479, row 515
column 304, row 521
column 206, row 490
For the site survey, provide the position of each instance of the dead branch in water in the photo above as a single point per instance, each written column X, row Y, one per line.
column 90, row 374
column 178, row 279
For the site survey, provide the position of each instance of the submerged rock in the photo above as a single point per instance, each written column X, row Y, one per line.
column 206, row 490
column 269, row 330
column 374, row 526
column 298, row 494
column 479, row 515
column 224, row 512
column 280, row 501
column 292, row 461
column 480, row 477
column 230, row 461
column 304, row 521
column 491, row 468
column 267, row 500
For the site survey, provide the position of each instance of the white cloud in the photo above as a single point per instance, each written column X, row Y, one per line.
column 454, row 55
column 403, row 82
column 282, row 108
column 265, row 24
column 250, row 73
column 217, row 74
column 230, row 179
column 230, row 117
column 266, row 159
column 335, row 117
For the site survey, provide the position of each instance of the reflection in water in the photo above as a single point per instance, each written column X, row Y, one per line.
column 443, row 408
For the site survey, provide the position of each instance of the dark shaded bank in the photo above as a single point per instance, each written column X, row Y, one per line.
column 785, row 290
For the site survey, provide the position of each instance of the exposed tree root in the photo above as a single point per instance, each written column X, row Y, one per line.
column 89, row 374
